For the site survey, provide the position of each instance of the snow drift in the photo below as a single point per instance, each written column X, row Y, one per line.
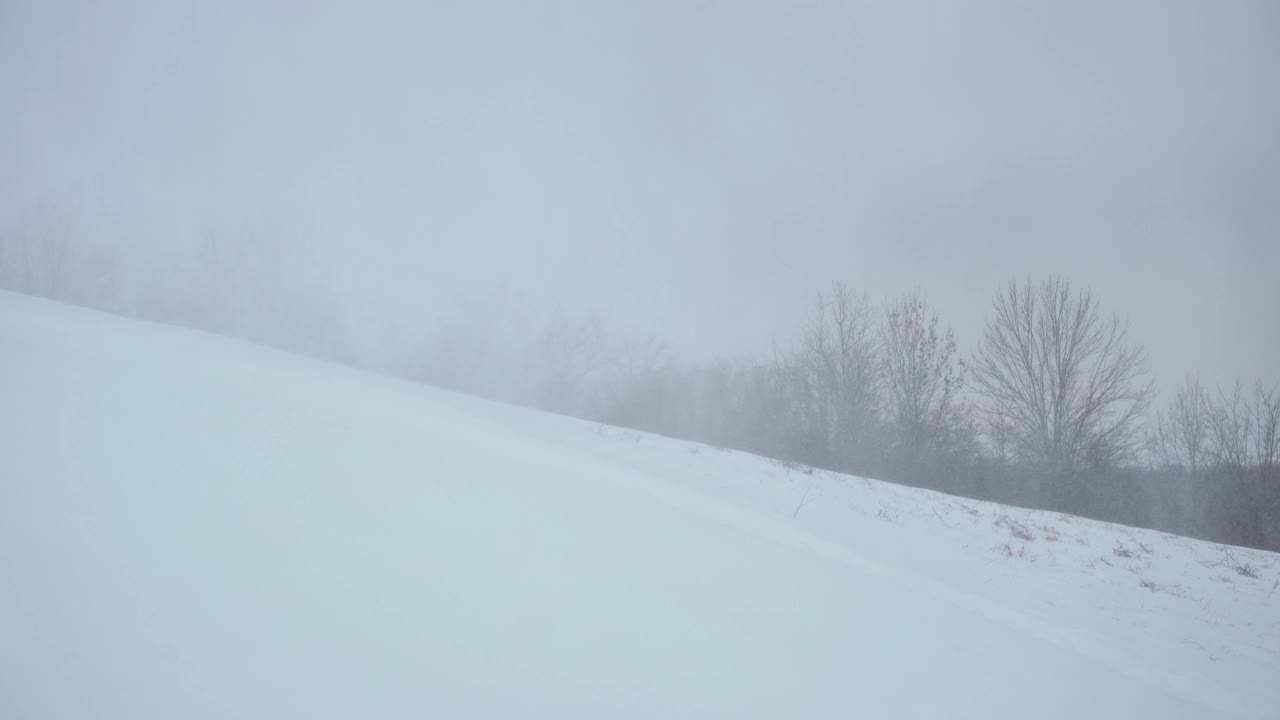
column 194, row 527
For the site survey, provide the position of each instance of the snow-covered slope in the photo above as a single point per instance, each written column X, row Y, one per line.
column 193, row 527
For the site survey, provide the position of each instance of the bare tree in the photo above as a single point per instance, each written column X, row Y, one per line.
column 1242, row 507
column 573, row 355
column 636, row 383
column 1064, row 378
column 36, row 257
column 1231, row 429
column 485, row 346
column 641, row 356
column 922, row 381
column 759, row 415
column 42, row 253
column 839, row 381
column 997, row 429
column 1158, row 443
column 1266, row 430
column 1181, row 437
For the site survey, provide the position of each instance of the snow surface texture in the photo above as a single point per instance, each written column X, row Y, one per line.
column 194, row 527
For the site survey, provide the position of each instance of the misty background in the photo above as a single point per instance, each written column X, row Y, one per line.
column 443, row 191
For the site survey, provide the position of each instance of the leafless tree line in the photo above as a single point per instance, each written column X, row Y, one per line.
column 1052, row 409
column 1232, row 431
column 42, row 255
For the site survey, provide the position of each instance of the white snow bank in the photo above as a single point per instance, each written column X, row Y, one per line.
column 193, row 527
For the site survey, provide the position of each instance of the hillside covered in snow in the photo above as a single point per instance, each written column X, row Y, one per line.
column 196, row 527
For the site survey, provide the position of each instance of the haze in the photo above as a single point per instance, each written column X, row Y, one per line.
column 695, row 170
column 729, row 355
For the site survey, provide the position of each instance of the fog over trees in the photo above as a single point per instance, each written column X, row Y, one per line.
column 1026, row 252
column 1054, row 408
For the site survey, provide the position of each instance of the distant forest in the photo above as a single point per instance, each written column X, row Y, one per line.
column 1054, row 409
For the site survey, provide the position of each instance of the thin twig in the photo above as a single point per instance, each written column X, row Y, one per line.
column 803, row 498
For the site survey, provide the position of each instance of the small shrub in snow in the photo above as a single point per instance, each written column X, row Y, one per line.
column 1229, row 560
column 1050, row 533
column 887, row 515
column 1246, row 570
column 1016, row 528
column 1008, row 550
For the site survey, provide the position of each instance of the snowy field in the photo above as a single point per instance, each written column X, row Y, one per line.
column 194, row 527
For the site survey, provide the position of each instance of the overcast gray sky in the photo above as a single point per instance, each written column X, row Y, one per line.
column 701, row 169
